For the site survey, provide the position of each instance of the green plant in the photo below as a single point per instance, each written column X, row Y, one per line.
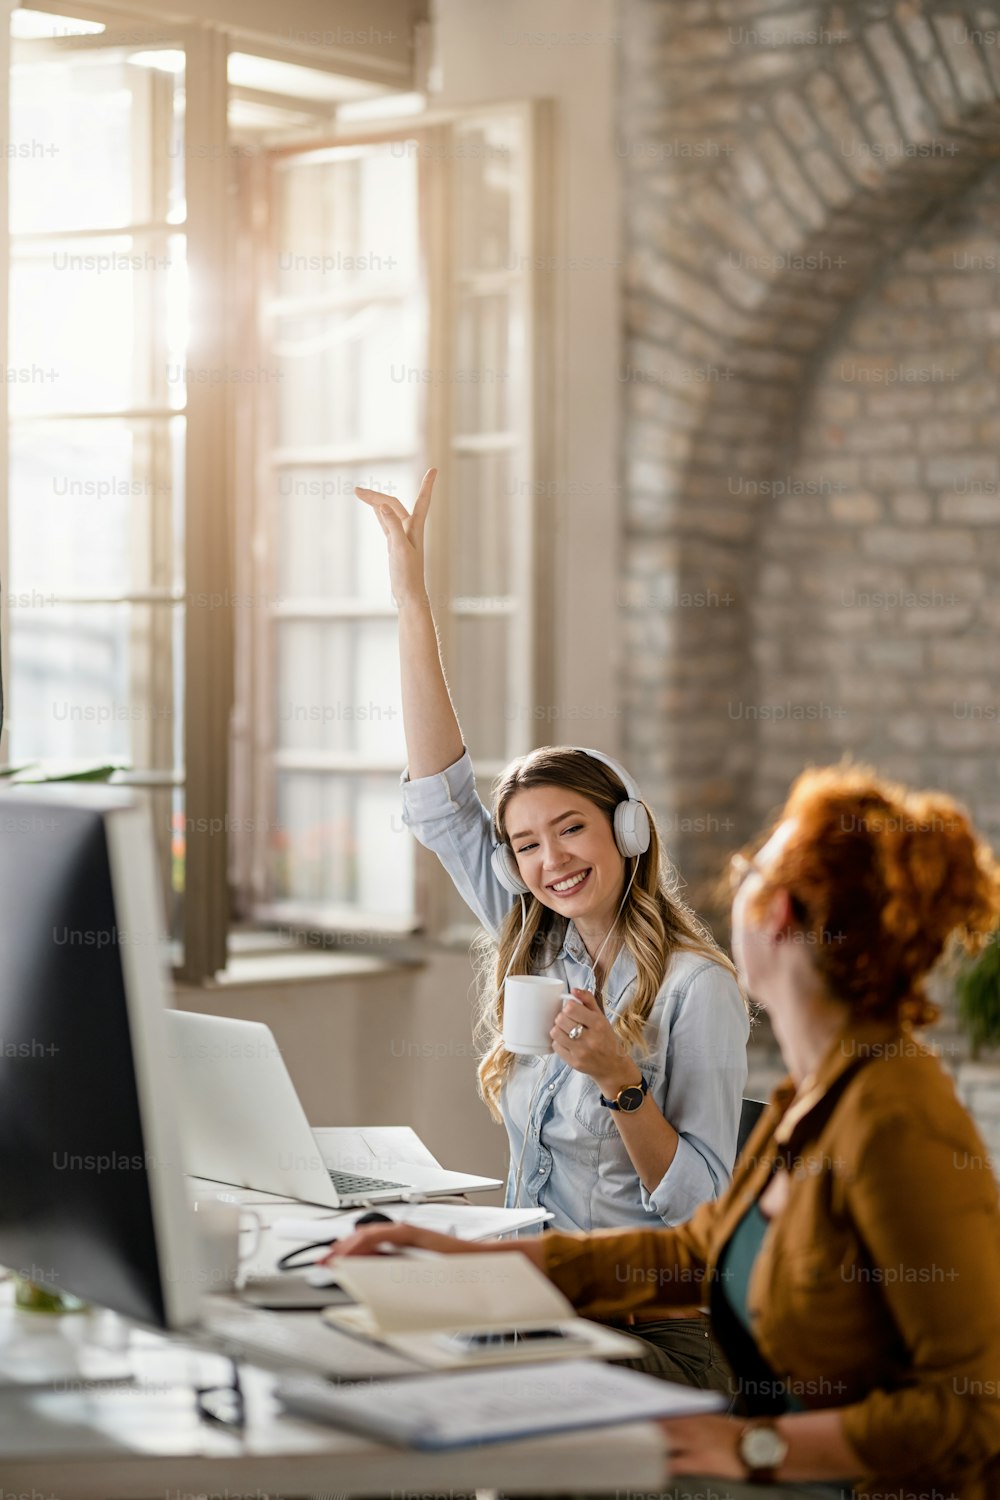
column 977, row 987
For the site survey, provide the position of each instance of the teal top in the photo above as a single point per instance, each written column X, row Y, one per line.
column 735, row 1269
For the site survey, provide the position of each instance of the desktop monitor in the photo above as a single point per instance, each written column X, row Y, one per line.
column 92, row 1195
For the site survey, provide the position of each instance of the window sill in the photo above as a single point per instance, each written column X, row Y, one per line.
column 264, row 970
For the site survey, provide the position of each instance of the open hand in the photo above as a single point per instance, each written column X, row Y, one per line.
column 404, row 533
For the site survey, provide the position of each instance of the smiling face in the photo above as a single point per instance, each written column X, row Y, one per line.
column 566, row 852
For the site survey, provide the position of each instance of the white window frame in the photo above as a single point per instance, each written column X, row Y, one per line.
column 211, row 563
column 529, row 658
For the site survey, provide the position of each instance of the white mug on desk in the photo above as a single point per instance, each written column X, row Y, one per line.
column 223, row 1225
column 530, row 1006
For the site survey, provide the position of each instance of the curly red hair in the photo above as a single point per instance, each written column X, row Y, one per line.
column 883, row 880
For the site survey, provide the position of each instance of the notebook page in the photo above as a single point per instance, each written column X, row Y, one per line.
column 452, row 1291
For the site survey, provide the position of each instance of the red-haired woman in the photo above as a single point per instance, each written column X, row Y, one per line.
column 854, row 1262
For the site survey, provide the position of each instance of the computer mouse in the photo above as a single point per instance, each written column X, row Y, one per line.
column 372, row 1217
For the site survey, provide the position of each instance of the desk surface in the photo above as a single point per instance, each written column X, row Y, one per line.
column 85, row 1441
column 143, row 1440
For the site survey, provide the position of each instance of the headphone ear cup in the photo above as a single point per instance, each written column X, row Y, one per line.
column 505, row 869
column 631, row 828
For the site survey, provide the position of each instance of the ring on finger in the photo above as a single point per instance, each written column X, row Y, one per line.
column 575, row 1032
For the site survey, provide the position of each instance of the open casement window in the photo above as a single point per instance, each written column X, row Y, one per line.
column 106, row 225
column 403, row 304
column 125, row 357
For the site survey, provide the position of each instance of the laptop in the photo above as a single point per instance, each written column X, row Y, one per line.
column 242, row 1123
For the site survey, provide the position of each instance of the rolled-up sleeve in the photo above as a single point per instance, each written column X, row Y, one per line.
column 613, row 1272
column 445, row 814
column 706, row 1076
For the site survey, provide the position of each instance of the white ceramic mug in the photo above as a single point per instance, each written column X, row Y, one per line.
column 530, row 1006
column 228, row 1235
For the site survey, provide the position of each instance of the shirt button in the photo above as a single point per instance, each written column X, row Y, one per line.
column 551, row 1088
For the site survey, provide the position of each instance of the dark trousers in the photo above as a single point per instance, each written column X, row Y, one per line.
column 681, row 1349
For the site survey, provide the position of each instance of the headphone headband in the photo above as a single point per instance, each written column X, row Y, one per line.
column 619, row 770
column 631, row 827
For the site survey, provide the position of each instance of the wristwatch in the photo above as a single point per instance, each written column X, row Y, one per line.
column 762, row 1450
column 628, row 1099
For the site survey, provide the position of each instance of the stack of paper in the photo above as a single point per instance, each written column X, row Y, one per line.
column 466, row 1221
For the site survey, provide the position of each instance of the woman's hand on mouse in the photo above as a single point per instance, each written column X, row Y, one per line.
column 367, row 1240
column 404, row 533
column 598, row 1051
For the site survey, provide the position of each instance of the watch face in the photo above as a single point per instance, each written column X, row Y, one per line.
column 762, row 1448
column 630, row 1099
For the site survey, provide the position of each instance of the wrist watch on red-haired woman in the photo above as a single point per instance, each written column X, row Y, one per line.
column 762, row 1450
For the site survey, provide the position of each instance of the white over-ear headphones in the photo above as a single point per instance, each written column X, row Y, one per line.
column 631, row 824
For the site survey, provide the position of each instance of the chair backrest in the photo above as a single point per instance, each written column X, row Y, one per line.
column 749, row 1115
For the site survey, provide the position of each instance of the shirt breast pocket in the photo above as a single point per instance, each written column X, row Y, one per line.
column 596, row 1119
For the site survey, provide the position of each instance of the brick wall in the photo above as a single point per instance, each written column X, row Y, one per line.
column 876, row 614
column 810, row 405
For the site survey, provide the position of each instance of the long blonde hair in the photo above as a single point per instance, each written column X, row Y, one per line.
column 655, row 923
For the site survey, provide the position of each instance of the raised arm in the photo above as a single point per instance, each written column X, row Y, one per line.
column 433, row 737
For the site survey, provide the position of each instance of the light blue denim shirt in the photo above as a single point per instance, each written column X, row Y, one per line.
column 575, row 1163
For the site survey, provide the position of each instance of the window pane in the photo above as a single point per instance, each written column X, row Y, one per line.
column 97, row 507
column 340, row 688
column 348, row 224
column 484, row 521
column 329, row 543
column 349, row 377
column 83, row 684
column 341, row 840
column 488, row 179
column 80, row 315
column 488, row 338
column 346, row 338
column 78, row 145
column 480, row 686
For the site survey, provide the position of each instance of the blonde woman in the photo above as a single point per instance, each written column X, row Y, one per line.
column 632, row 1119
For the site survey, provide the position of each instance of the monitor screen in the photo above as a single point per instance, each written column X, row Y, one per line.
column 92, row 1196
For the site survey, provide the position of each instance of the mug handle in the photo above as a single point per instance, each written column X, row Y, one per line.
column 256, row 1225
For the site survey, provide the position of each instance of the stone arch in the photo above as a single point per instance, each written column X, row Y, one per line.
column 737, row 278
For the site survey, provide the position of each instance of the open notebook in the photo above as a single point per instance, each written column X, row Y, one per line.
column 418, row 1305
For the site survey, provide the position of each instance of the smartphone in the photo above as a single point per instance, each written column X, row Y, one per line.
column 467, row 1342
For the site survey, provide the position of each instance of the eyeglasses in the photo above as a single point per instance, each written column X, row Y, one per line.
column 223, row 1404
column 740, row 866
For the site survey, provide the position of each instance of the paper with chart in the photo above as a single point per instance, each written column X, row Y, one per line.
column 495, row 1406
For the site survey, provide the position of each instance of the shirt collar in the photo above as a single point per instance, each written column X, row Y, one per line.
column 622, row 970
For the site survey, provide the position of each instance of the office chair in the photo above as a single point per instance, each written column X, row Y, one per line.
column 749, row 1115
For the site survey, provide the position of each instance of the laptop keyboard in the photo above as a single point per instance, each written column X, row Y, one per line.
column 350, row 1184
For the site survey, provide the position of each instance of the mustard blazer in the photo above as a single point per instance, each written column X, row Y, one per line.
column 877, row 1288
